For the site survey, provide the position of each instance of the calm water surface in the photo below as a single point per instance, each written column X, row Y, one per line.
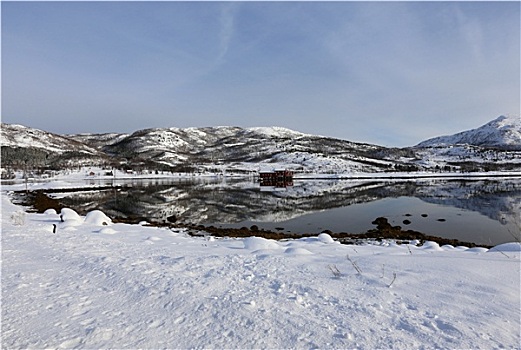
column 479, row 211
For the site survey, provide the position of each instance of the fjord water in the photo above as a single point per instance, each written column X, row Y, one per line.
column 408, row 212
column 482, row 211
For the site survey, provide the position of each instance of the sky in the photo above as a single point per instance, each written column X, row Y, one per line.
column 387, row 73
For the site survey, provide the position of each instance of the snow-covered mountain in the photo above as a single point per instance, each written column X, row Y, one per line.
column 502, row 133
column 13, row 135
column 267, row 146
column 27, row 147
column 494, row 146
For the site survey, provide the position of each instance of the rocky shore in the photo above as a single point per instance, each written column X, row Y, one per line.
column 38, row 201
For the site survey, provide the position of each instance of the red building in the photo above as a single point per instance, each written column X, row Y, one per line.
column 277, row 178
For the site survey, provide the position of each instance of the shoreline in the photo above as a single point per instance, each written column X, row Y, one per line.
column 383, row 231
column 37, row 199
column 253, row 174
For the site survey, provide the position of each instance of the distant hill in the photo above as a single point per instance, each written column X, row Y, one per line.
column 502, row 133
column 24, row 146
column 247, row 147
column 13, row 135
column 494, row 146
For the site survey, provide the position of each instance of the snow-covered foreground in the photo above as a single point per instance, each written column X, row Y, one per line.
column 91, row 285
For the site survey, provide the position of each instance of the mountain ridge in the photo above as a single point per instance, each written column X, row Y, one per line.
column 495, row 145
column 503, row 132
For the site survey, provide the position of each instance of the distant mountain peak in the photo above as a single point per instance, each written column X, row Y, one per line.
column 277, row 131
column 503, row 132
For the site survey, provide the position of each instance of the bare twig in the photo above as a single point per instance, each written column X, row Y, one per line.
column 355, row 265
column 335, row 271
column 394, row 278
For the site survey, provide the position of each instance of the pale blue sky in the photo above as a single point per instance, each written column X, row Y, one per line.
column 390, row 73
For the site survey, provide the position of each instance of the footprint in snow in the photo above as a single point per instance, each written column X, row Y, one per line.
column 447, row 328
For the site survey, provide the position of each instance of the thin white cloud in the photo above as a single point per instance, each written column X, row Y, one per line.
column 227, row 19
column 471, row 33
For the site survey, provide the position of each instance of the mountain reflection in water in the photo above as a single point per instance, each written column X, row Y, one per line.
column 480, row 211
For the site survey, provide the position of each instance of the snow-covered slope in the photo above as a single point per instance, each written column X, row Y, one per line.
column 494, row 146
column 97, row 141
column 200, row 149
column 13, row 135
column 32, row 148
column 262, row 145
column 503, row 132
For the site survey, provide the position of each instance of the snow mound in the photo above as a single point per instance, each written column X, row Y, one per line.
column 98, row 218
column 507, row 247
column 107, row 231
column 477, row 250
column 325, row 238
column 70, row 216
column 259, row 243
column 432, row 246
column 50, row 212
column 297, row 251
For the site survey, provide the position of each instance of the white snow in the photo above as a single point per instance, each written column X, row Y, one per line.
column 91, row 286
column 277, row 131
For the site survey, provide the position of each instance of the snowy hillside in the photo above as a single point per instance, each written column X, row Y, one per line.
column 503, row 133
column 238, row 147
column 495, row 146
column 97, row 141
column 13, row 135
